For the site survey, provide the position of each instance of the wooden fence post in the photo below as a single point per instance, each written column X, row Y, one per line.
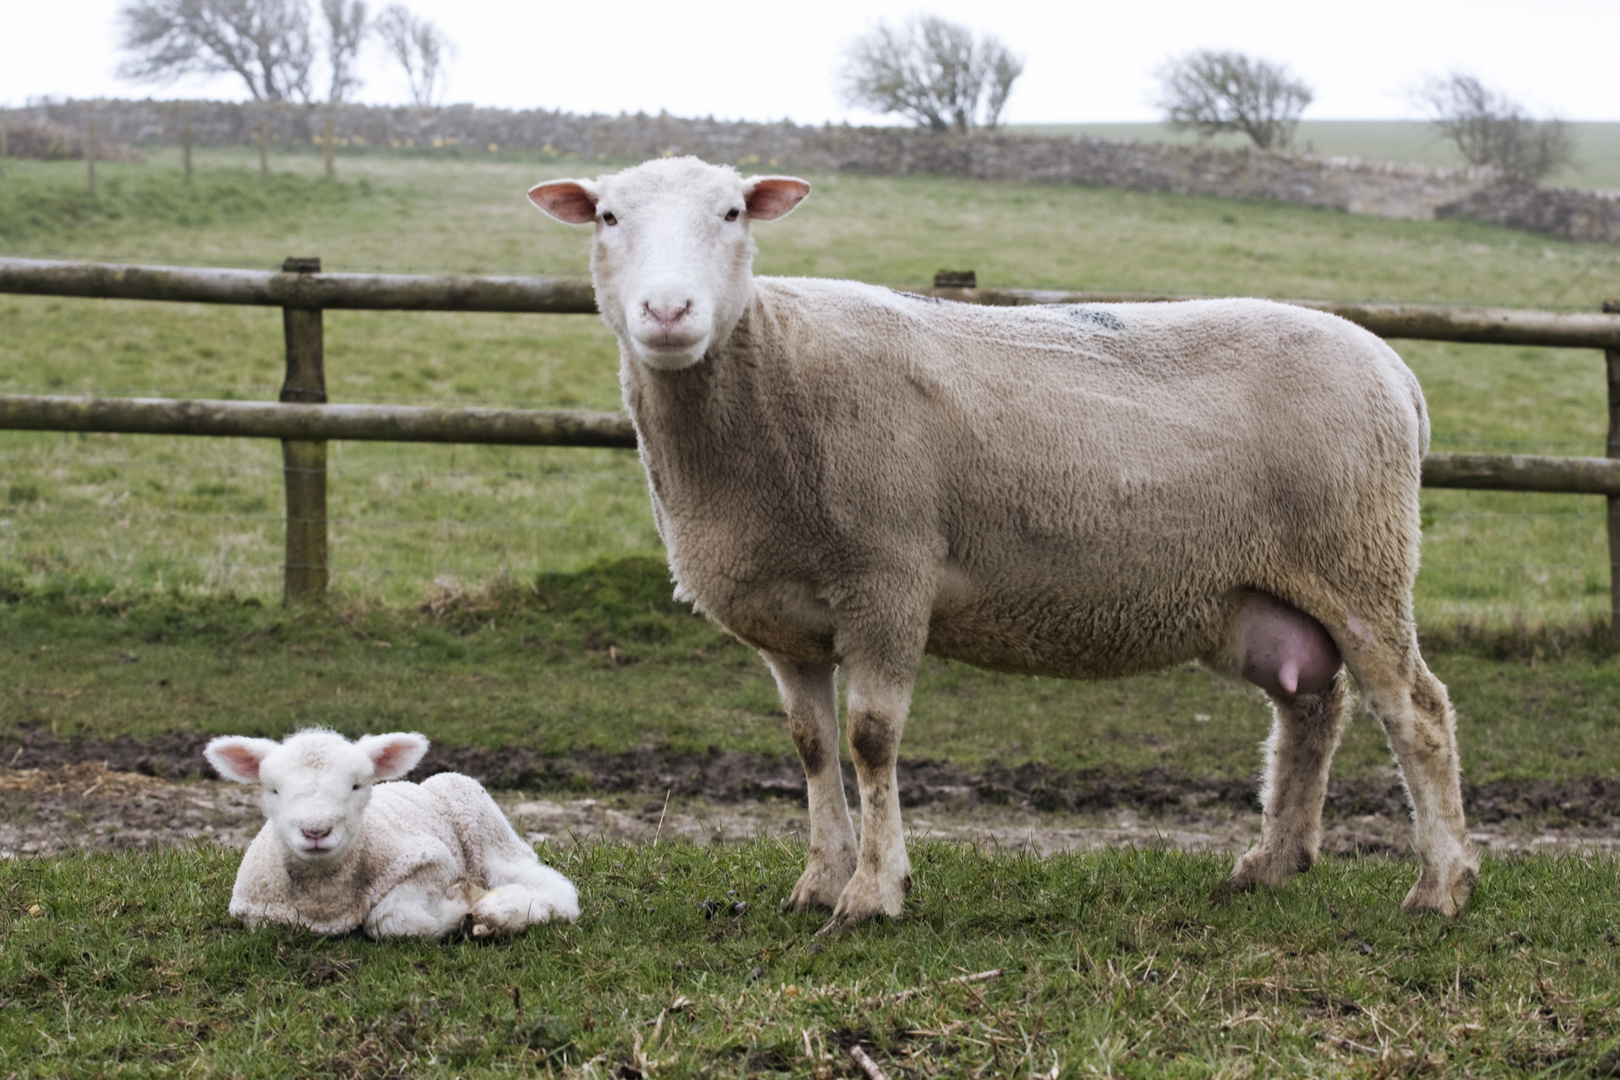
column 1612, row 363
column 304, row 462
column 187, row 140
column 90, row 156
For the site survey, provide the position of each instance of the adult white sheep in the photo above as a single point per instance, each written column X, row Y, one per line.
column 846, row 475
column 396, row 859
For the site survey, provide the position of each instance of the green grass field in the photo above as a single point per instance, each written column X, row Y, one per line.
column 1597, row 144
column 681, row 966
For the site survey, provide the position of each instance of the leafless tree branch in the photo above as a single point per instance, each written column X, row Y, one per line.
column 931, row 71
column 1492, row 129
column 345, row 30
column 264, row 42
column 1213, row 91
column 422, row 50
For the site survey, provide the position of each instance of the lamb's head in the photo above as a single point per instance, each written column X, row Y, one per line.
column 314, row 785
column 672, row 259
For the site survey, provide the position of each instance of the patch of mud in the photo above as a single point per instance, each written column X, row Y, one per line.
column 47, row 810
column 722, row 776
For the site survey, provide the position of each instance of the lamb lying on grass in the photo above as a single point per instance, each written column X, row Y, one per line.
column 396, row 859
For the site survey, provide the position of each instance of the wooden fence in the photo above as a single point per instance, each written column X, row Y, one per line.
column 304, row 421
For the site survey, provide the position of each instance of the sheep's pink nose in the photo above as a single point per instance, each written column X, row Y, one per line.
column 666, row 315
column 316, row 835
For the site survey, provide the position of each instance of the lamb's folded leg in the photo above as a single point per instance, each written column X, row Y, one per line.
column 525, row 894
column 413, row 909
column 522, row 889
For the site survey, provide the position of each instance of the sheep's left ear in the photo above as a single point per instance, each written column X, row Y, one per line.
column 238, row 757
column 395, row 754
column 771, row 197
column 570, row 201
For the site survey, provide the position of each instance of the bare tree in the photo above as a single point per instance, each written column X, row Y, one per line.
column 933, row 72
column 345, row 29
column 1213, row 91
column 1492, row 129
column 264, row 42
column 421, row 48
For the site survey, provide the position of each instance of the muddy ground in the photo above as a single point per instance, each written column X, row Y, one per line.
column 56, row 794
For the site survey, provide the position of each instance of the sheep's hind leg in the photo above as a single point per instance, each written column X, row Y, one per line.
column 411, row 909
column 1418, row 720
column 812, row 710
column 532, row 894
column 1305, row 732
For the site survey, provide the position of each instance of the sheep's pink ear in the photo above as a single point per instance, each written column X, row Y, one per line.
column 237, row 757
column 395, row 754
column 571, row 201
column 771, row 197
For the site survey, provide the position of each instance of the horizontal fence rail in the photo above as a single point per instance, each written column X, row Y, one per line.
column 550, row 427
column 271, row 420
column 299, row 290
column 304, row 422
column 575, row 296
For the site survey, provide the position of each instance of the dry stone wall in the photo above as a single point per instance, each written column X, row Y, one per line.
column 1360, row 187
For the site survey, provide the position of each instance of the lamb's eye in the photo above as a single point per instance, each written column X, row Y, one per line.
column 274, row 791
column 357, row 787
column 732, row 215
column 609, row 219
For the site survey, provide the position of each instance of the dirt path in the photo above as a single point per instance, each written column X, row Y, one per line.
column 47, row 810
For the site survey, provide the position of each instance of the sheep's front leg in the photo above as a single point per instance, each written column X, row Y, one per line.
column 877, row 715
column 812, row 711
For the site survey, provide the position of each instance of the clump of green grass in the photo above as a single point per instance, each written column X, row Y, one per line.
column 681, row 964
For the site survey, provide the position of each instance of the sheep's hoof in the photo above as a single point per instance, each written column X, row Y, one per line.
column 1273, row 869
column 1432, row 896
column 866, row 897
column 820, row 887
column 482, row 929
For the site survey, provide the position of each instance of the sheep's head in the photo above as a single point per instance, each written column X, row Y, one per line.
column 314, row 785
column 672, row 258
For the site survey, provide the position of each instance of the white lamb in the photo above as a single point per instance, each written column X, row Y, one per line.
column 850, row 477
column 340, row 850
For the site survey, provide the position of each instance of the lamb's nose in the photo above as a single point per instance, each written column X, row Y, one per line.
column 667, row 315
column 316, row 835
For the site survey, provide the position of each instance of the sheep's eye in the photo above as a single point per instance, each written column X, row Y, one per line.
column 732, row 215
column 609, row 219
column 274, row 791
column 357, row 787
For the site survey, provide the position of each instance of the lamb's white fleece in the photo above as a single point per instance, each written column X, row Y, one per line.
column 340, row 851
column 433, row 834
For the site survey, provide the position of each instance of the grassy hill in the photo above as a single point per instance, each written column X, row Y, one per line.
column 1597, row 144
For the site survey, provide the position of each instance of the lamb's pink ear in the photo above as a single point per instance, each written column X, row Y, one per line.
column 771, row 197
column 395, row 754
column 237, row 757
column 572, row 201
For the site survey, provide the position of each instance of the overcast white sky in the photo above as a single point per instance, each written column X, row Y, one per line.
column 763, row 61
